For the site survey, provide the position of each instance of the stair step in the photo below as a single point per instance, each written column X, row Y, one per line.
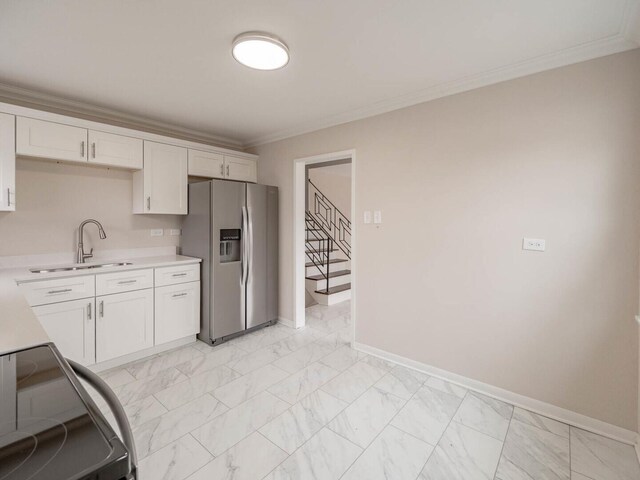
column 320, row 250
column 336, row 289
column 339, row 273
column 333, row 260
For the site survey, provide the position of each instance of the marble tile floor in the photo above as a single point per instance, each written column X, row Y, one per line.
column 301, row 404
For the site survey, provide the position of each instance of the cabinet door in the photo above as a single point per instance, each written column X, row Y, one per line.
column 124, row 324
column 37, row 138
column 206, row 164
column 165, row 179
column 7, row 162
column 71, row 326
column 243, row 169
column 177, row 311
column 115, row 150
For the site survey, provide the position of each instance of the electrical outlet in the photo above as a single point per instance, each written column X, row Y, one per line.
column 367, row 216
column 377, row 216
column 157, row 232
column 536, row 244
column 174, row 232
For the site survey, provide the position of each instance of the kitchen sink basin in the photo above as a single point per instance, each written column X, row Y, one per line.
column 78, row 267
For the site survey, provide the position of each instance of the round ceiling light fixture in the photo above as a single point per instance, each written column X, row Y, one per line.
column 260, row 50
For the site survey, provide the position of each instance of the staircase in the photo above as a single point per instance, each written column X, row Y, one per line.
column 328, row 250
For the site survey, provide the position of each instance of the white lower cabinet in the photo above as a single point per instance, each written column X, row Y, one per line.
column 177, row 311
column 124, row 324
column 71, row 326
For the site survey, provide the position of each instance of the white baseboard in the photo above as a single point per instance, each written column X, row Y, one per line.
column 148, row 352
column 286, row 322
column 546, row 409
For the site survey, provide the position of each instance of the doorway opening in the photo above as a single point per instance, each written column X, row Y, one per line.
column 324, row 240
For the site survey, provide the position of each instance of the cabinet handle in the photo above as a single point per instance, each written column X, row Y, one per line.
column 179, row 274
column 8, row 197
column 101, row 308
column 88, row 311
column 64, row 290
column 125, row 282
column 227, row 170
column 82, row 148
column 183, row 294
column 93, row 149
column 148, row 203
column 222, row 169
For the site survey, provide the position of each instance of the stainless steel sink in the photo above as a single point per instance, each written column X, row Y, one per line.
column 78, row 267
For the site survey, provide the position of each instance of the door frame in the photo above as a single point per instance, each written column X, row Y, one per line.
column 299, row 201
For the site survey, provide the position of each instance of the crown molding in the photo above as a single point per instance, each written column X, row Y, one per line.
column 623, row 41
column 44, row 101
column 630, row 28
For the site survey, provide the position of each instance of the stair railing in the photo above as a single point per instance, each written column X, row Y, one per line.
column 319, row 254
column 330, row 219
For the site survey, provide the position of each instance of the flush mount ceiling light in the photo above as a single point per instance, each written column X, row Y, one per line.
column 260, row 50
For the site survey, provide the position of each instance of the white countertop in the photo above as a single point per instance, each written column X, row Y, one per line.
column 19, row 327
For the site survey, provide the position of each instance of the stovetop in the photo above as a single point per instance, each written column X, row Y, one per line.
column 49, row 427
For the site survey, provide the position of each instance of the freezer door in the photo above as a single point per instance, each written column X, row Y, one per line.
column 257, row 263
column 228, row 306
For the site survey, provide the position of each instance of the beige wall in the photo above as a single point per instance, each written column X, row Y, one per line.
column 337, row 188
column 554, row 156
column 53, row 198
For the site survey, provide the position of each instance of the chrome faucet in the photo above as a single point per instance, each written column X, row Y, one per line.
column 81, row 255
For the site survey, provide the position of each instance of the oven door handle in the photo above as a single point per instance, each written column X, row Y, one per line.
column 116, row 408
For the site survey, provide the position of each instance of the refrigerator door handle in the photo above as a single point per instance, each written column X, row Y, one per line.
column 244, row 256
column 249, row 243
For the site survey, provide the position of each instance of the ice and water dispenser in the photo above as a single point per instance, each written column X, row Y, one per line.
column 230, row 245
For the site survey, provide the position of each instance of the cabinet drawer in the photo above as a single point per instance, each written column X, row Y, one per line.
column 178, row 274
column 119, row 282
column 59, row 290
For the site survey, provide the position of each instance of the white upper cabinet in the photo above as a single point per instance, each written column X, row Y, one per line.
column 242, row 169
column 115, row 150
column 7, row 162
column 206, row 164
column 161, row 186
column 37, row 138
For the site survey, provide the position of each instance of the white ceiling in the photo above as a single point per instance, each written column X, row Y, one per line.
column 169, row 61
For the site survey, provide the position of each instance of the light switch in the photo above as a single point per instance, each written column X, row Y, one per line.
column 377, row 216
column 536, row 244
column 367, row 216
column 157, row 232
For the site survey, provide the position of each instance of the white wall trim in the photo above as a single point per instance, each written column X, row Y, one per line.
column 546, row 409
column 299, row 259
column 627, row 39
column 286, row 322
column 40, row 100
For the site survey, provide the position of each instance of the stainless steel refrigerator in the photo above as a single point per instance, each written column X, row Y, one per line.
column 233, row 227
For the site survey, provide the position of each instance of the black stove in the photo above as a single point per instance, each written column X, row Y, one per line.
column 50, row 429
